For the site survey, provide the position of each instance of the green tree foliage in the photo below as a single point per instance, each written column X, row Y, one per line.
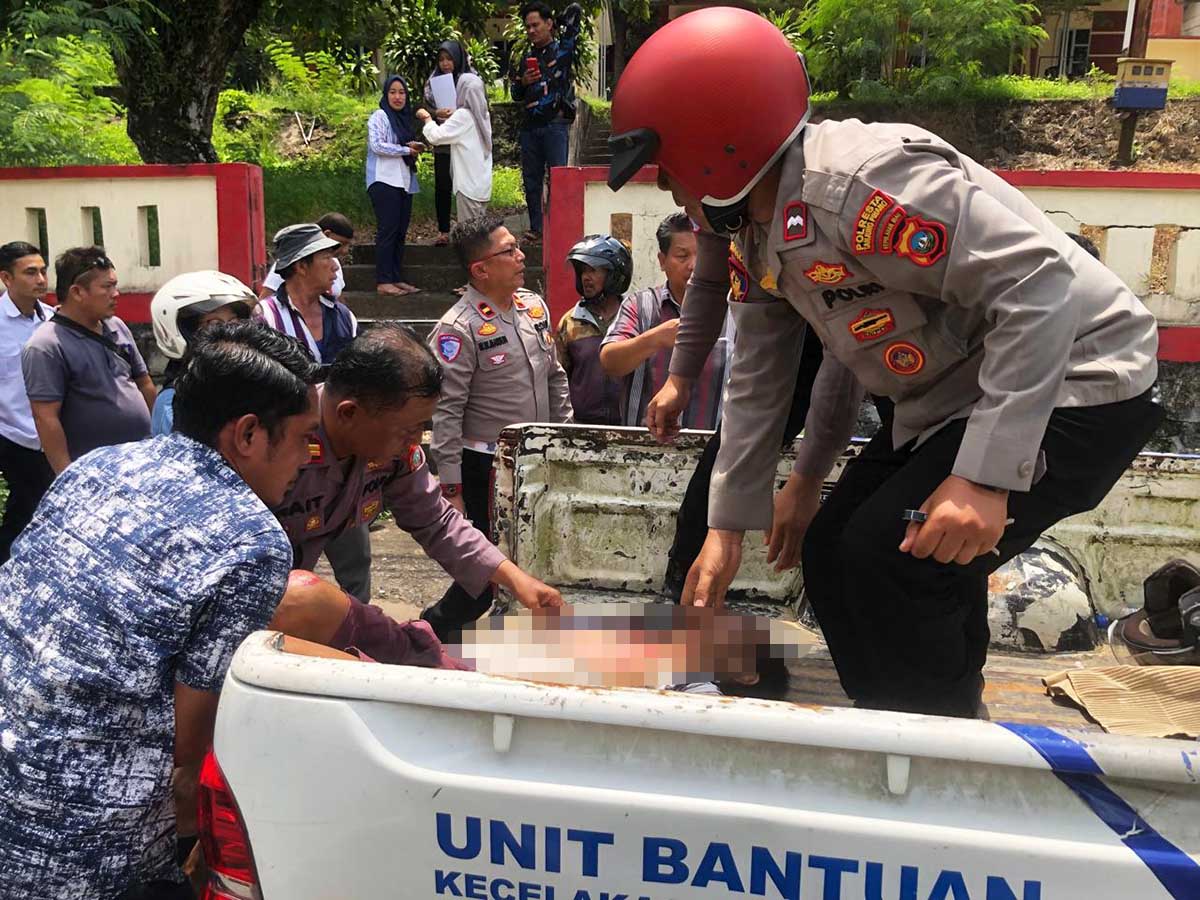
column 483, row 59
column 908, row 43
column 411, row 48
column 52, row 111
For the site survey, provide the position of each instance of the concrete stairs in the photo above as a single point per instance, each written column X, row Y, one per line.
column 594, row 151
column 434, row 269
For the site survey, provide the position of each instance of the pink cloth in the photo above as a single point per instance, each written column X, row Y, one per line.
column 369, row 632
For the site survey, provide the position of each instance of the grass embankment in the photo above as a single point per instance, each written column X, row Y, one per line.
column 312, row 150
column 999, row 89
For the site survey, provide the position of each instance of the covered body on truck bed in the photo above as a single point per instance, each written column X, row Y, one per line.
column 362, row 780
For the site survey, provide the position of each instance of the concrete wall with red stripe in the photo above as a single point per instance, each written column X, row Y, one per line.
column 204, row 217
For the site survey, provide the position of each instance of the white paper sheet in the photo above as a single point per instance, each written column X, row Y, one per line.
column 444, row 94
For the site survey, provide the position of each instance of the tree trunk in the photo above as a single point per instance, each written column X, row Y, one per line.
column 1141, row 28
column 174, row 72
column 620, row 28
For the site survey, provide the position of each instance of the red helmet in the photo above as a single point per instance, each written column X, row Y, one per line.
column 682, row 101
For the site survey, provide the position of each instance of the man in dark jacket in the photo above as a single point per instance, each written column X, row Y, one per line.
column 542, row 83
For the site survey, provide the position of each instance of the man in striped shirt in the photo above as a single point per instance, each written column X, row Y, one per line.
column 304, row 306
column 640, row 340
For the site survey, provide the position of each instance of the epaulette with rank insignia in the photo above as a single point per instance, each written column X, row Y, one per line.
column 316, row 452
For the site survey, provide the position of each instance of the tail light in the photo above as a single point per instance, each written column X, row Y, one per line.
column 223, row 837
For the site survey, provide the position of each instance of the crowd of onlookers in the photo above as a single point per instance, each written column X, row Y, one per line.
column 82, row 382
column 459, row 132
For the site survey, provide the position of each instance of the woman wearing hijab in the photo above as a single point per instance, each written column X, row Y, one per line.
column 451, row 60
column 468, row 132
column 392, row 149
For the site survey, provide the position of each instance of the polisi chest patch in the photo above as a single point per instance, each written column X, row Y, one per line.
column 850, row 294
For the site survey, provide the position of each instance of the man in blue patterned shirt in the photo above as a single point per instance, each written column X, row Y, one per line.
column 542, row 83
column 124, row 600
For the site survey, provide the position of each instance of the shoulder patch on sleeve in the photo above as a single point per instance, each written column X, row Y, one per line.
column 921, row 241
column 870, row 216
column 449, row 346
column 416, row 457
column 739, row 277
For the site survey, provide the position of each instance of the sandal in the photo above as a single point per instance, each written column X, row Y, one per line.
column 531, row 237
column 391, row 290
column 442, row 240
column 406, row 288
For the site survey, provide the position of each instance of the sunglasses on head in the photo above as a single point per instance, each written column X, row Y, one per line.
column 99, row 262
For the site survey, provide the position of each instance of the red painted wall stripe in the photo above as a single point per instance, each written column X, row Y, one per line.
column 1179, row 344
column 1165, row 181
column 152, row 170
column 567, row 187
column 1166, row 19
column 241, row 245
column 134, row 308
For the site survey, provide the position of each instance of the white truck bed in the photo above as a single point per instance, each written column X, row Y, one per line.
column 361, row 780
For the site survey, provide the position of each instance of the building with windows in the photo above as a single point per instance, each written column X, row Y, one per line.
column 1097, row 35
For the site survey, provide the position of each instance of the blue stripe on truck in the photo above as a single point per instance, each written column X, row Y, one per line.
column 1074, row 767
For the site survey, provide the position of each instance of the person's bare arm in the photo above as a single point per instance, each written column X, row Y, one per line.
column 145, row 384
column 195, row 714
column 50, row 432
column 619, row 358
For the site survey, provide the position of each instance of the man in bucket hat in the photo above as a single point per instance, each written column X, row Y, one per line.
column 303, row 306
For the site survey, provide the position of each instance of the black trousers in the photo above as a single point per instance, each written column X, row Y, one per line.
column 691, row 523
column 159, row 890
column 28, row 476
column 443, row 189
column 457, row 607
column 393, row 210
column 911, row 634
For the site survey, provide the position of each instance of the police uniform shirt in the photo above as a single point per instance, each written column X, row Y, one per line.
column 328, row 499
column 931, row 281
column 500, row 369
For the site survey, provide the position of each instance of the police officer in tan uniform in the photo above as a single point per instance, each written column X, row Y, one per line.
column 500, row 368
column 1020, row 369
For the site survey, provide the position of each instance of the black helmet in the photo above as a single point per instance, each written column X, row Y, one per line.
column 1166, row 630
column 603, row 251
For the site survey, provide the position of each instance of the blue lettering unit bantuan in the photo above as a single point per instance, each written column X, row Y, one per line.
column 669, row 861
column 520, row 846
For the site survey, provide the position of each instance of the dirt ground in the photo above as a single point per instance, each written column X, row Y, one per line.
column 403, row 579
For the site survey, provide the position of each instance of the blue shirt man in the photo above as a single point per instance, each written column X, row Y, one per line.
column 144, row 568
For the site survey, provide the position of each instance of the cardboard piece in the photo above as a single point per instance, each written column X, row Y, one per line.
column 1146, row 701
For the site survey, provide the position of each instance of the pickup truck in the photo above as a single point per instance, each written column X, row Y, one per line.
column 339, row 779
